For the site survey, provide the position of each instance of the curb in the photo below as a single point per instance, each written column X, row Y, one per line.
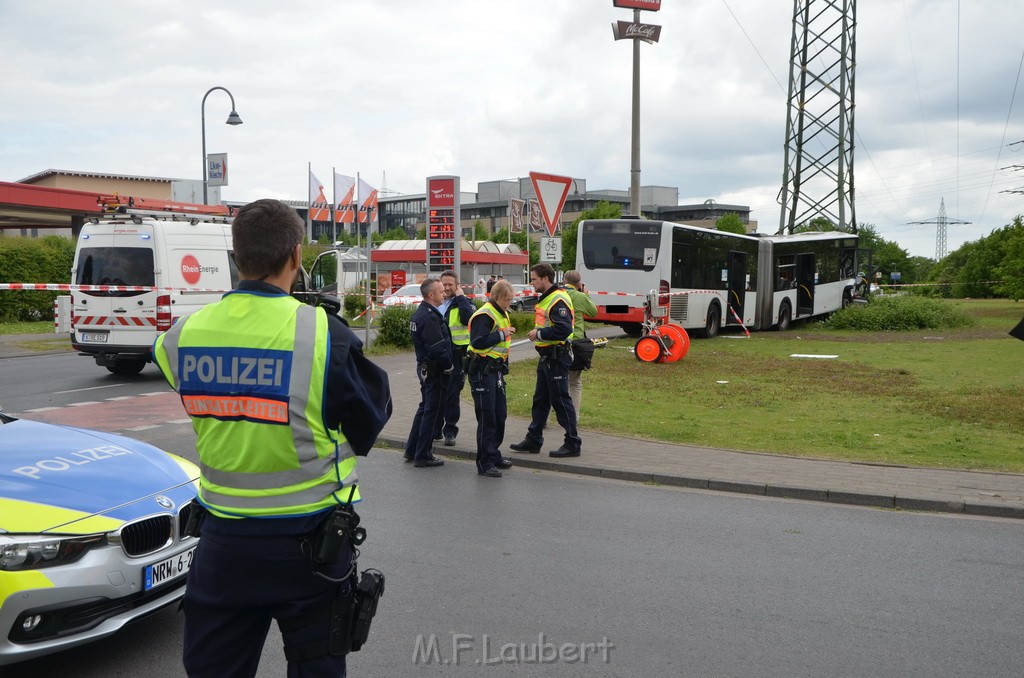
column 865, row 499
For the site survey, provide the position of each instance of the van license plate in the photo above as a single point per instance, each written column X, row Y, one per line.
column 97, row 337
column 160, row 573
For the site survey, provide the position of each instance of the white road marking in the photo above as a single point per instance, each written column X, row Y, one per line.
column 91, row 388
column 43, row 409
column 179, row 421
column 141, row 428
column 120, row 398
column 85, row 402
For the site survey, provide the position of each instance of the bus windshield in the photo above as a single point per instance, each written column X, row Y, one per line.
column 621, row 244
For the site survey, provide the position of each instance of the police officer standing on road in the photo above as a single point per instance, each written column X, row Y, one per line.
column 457, row 309
column 553, row 327
column 490, row 333
column 433, row 343
column 282, row 401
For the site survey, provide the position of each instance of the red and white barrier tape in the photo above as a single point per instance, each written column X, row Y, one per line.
column 60, row 287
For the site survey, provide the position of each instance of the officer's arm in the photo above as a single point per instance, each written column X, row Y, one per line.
column 482, row 333
column 358, row 398
column 582, row 303
column 437, row 343
column 560, row 329
column 466, row 309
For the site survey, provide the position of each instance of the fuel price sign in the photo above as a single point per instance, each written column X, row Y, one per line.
column 443, row 224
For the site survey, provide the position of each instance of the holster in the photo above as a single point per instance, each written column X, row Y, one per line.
column 196, row 515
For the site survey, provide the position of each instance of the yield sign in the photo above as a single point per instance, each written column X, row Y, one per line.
column 551, row 191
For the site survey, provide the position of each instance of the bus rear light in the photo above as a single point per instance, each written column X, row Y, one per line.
column 163, row 312
column 664, row 289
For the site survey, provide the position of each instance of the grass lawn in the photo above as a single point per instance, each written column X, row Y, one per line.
column 952, row 399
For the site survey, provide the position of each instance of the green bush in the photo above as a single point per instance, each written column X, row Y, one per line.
column 33, row 260
column 355, row 302
column 898, row 313
column 393, row 326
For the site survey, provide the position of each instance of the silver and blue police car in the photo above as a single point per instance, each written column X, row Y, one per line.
column 91, row 534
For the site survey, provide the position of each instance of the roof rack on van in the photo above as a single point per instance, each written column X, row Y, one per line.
column 122, row 204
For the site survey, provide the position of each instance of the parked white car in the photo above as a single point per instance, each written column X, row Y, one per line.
column 407, row 295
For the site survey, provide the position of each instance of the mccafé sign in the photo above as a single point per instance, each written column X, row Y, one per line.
column 625, row 30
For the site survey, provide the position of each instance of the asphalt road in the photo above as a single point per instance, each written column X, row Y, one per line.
column 523, row 575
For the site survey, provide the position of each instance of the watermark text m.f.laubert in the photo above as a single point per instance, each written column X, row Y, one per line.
column 483, row 650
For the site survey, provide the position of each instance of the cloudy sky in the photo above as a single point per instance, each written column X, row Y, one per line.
column 492, row 89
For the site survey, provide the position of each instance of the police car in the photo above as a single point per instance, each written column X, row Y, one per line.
column 91, row 534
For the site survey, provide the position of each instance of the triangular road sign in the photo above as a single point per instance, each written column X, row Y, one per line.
column 551, row 191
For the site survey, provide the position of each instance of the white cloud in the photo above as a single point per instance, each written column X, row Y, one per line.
column 490, row 90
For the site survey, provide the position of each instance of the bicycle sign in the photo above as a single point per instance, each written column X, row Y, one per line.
column 550, row 250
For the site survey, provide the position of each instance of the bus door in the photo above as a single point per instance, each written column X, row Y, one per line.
column 737, row 285
column 805, row 274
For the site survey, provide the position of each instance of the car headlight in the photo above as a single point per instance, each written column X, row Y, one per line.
column 24, row 552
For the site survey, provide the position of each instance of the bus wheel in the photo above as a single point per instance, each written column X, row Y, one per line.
column 647, row 349
column 633, row 329
column 126, row 368
column 847, row 300
column 712, row 323
column 785, row 315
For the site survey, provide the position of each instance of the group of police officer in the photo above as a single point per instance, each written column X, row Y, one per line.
column 452, row 339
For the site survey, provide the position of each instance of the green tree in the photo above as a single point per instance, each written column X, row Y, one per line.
column 1010, row 270
column 479, row 232
column 731, row 223
column 602, row 210
column 969, row 270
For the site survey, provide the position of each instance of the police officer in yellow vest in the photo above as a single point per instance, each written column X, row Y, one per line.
column 457, row 310
column 553, row 327
column 282, row 401
column 490, row 335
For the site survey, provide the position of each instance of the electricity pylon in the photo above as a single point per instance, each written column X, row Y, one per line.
column 817, row 179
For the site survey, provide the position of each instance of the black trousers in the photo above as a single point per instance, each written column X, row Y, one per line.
column 452, row 406
column 420, row 443
column 236, row 586
column 552, row 393
column 491, row 410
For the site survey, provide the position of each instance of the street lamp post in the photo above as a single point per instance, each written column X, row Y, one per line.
column 233, row 119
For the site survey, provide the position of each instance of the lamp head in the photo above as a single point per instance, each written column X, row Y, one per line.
column 233, row 119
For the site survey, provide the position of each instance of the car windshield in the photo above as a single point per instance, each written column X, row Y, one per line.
column 407, row 291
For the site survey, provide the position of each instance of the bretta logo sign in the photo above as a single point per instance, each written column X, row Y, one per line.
column 442, row 193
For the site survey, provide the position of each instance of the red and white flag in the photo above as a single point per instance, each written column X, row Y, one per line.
column 367, row 203
column 319, row 208
column 344, row 210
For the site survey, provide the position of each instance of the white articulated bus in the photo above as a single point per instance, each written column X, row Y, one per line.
column 715, row 278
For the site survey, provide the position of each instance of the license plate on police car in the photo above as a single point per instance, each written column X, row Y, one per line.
column 96, row 337
column 167, row 570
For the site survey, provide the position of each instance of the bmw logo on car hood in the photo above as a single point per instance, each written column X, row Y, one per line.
column 53, row 476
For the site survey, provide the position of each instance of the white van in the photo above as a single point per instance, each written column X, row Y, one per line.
column 187, row 258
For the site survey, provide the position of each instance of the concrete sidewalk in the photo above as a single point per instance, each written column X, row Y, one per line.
column 612, row 456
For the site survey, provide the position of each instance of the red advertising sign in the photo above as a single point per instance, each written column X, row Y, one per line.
column 652, row 5
column 442, row 193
